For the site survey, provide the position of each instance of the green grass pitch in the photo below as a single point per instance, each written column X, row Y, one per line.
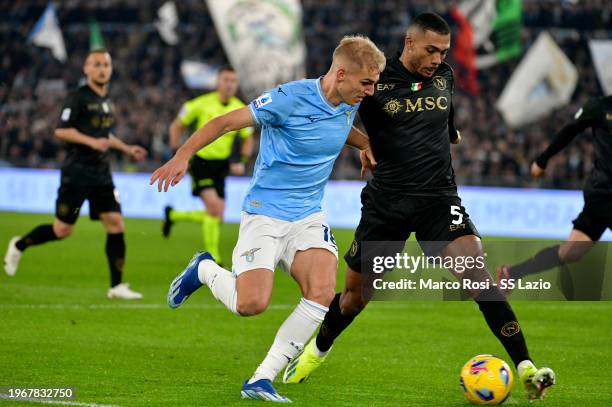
column 57, row 329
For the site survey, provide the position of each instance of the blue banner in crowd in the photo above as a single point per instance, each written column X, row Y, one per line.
column 508, row 212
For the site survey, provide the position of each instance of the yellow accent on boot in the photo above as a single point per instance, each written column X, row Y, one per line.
column 303, row 364
column 536, row 381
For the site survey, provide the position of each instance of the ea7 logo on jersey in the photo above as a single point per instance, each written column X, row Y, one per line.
column 385, row 86
column 263, row 100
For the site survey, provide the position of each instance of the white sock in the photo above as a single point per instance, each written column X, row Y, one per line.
column 317, row 351
column 523, row 365
column 290, row 338
column 221, row 282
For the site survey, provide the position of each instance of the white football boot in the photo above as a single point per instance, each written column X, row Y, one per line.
column 12, row 257
column 122, row 291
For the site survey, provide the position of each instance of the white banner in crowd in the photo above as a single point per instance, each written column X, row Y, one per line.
column 167, row 23
column 544, row 80
column 481, row 14
column 601, row 53
column 198, row 75
column 48, row 34
column 263, row 41
column 509, row 212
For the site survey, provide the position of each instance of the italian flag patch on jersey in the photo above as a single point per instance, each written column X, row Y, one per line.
column 416, row 86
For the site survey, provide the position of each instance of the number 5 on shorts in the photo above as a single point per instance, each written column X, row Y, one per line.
column 456, row 211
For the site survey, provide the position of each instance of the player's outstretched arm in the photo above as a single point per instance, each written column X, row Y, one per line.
column 176, row 129
column 72, row 135
column 174, row 170
column 561, row 140
column 132, row 150
column 584, row 118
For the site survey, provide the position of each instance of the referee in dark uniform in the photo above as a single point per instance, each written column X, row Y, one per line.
column 86, row 124
column 596, row 216
column 410, row 123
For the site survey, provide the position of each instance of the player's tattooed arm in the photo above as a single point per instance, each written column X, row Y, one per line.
column 72, row 135
column 131, row 150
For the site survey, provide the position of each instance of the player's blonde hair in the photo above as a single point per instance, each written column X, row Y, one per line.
column 362, row 51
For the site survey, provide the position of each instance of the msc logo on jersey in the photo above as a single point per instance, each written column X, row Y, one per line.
column 439, row 82
column 263, row 100
column 392, row 107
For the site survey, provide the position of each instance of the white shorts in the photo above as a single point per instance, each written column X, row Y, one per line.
column 265, row 242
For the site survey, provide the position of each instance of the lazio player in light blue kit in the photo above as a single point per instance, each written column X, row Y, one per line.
column 305, row 125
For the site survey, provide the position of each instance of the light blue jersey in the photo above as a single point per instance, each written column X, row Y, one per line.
column 302, row 135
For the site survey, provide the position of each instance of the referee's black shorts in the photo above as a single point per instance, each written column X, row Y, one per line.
column 208, row 174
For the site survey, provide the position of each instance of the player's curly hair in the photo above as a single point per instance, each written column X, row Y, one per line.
column 361, row 50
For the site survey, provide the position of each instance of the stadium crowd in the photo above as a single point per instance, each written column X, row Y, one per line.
column 147, row 87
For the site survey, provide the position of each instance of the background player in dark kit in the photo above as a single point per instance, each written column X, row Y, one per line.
column 596, row 215
column 86, row 124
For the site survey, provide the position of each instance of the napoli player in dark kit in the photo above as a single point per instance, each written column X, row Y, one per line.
column 86, row 124
column 410, row 123
column 596, row 216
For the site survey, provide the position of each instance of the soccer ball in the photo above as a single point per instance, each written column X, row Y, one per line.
column 486, row 379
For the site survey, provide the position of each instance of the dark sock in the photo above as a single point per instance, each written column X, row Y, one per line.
column 333, row 325
column 115, row 252
column 40, row 234
column 502, row 321
column 545, row 259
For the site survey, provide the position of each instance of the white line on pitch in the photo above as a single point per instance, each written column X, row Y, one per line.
column 57, row 402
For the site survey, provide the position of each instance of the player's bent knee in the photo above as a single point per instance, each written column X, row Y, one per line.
column 569, row 256
column 114, row 223
column 216, row 212
column 251, row 306
column 571, row 252
column 352, row 303
column 321, row 295
column 63, row 230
